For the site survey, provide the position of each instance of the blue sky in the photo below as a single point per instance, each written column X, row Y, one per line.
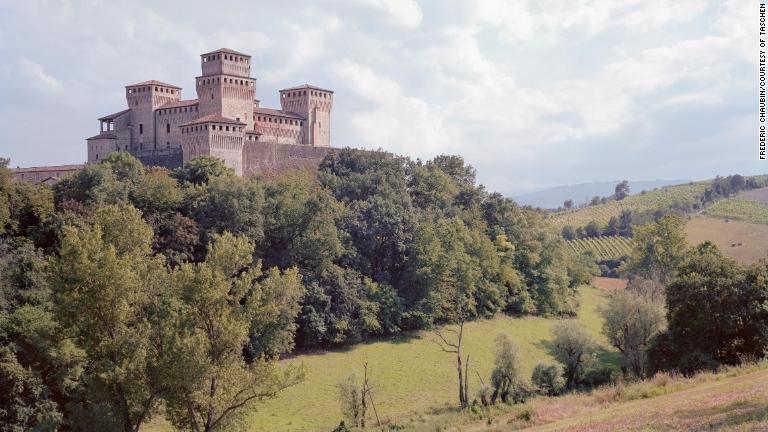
column 532, row 93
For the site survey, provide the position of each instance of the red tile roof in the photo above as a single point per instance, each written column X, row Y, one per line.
column 306, row 86
column 277, row 113
column 226, row 50
column 152, row 83
column 213, row 119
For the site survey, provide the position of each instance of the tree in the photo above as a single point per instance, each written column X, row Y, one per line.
column 450, row 341
column 104, row 280
column 506, row 369
column 548, row 379
column 592, row 229
column 630, row 322
column 717, row 313
column 622, row 190
column 574, row 348
column 659, row 248
column 568, row 204
column 354, row 397
column 220, row 300
column 201, row 170
column 568, row 233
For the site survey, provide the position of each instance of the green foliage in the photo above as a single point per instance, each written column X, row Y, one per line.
column 548, row 379
column 659, row 248
column 104, row 280
column 717, row 312
column 201, row 170
column 574, row 347
column 630, row 322
column 221, row 300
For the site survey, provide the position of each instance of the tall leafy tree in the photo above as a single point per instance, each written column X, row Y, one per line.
column 225, row 299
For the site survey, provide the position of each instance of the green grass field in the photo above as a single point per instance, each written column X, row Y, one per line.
column 651, row 200
column 410, row 374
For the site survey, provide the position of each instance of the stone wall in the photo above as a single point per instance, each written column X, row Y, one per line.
column 269, row 159
column 168, row 158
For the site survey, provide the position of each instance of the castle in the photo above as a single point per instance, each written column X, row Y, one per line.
column 226, row 121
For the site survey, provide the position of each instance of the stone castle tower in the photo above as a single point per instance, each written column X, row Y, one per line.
column 225, row 121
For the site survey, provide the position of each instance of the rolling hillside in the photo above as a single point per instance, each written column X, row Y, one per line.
column 652, row 200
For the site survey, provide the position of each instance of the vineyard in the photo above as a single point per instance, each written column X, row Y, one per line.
column 687, row 194
column 740, row 209
column 603, row 248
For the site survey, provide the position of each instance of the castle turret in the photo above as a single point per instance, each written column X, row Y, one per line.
column 314, row 104
column 226, row 88
column 143, row 99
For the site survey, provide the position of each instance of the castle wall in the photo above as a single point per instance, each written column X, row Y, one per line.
column 270, row 159
column 166, row 158
column 168, row 121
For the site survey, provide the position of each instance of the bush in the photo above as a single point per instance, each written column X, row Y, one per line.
column 548, row 379
column 599, row 377
column 521, row 391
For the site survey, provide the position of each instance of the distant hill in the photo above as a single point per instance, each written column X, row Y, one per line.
column 553, row 198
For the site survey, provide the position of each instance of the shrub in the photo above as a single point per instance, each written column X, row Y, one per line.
column 599, row 377
column 548, row 379
column 574, row 348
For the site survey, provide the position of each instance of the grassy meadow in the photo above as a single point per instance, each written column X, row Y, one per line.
column 410, row 375
column 740, row 209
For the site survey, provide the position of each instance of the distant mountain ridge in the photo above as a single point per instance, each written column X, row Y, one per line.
column 553, row 198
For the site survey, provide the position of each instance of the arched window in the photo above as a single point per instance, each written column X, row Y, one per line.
column 141, row 128
column 167, row 128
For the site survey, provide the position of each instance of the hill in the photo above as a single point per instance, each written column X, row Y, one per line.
column 553, row 198
column 410, row 375
column 686, row 194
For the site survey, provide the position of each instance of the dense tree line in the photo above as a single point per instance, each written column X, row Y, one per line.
column 124, row 288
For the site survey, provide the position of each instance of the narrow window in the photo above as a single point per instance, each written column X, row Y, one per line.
column 141, row 128
column 167, row 128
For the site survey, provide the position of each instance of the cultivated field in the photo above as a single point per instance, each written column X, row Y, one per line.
column 410, row 375
column 651, row 200
column 759, row 195
column 604, row 247
column 741, row 209
column 745, row 242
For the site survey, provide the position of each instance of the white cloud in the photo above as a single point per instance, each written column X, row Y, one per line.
column 405, row 14
column 35, row 76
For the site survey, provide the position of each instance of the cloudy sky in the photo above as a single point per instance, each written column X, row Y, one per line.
column 532, row 93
